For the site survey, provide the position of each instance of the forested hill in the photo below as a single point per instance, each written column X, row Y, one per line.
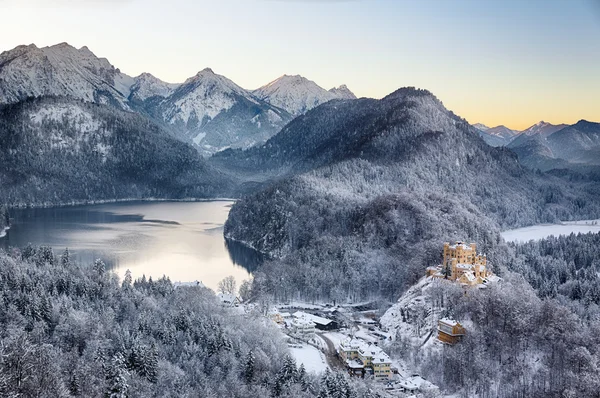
column 57, row 150
column 375, row 187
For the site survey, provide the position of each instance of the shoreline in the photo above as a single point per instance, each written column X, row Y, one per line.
column 109, row 201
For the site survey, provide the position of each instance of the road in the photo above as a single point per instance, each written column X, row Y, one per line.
column 333, row 360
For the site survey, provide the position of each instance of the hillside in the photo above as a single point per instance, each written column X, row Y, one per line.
column 369, row 189
column 58, row 150
column 571, row 147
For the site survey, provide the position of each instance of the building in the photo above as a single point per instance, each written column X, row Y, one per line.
column 320, row 322
column 450, row 331
column 365, row 359
column 461, row 263
column 229, row 300
column 303, row 328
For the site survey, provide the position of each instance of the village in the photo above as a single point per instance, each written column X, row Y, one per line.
column 353, row 338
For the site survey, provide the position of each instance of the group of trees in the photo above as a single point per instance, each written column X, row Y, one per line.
column 562, row 267
column 516, row 344
column 56, row 150
column 69, row 330
column 371, row 191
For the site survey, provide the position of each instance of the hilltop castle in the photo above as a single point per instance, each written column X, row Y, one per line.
column 462, row 264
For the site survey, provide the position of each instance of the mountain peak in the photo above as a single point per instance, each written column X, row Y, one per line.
column 342, row 92
column 207, row 71
column 297, row 94
column 410, row 91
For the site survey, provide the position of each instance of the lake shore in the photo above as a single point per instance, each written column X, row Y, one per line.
column 109, row 201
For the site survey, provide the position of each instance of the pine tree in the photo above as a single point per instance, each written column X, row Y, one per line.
column 116, row 377
column 248, row 372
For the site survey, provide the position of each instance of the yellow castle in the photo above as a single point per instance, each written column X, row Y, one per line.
column 461, row 264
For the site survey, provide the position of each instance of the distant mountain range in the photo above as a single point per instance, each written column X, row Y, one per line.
column 547, row 146
column 208, row 110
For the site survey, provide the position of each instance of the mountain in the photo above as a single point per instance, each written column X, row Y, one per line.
column 60, row 150
column 481, row 127
column 579, row 143
column 215, row 113
column 365, row 191
column 61, row 70
column 208, row 110
column 495, row 136
column 568, row 148
column 342, row 92
column 147, row 86
column 543, row 128
column 297, row 94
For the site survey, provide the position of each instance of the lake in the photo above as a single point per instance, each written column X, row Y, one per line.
column 183, row 240
column 537, row 232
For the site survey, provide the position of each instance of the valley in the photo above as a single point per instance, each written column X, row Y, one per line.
column 369, row 247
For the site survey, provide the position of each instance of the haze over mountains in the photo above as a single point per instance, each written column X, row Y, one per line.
column 208, row 110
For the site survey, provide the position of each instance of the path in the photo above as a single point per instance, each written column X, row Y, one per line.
column 331, row 355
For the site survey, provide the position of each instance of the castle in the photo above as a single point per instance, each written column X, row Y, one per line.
column 462, row 264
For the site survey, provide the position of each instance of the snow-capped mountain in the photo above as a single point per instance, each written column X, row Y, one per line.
column 543, row 128
column 342, row 92
column 481, row 126
column 297, row 94
column 61, row 70
column 495, row 136
column 215, row 113
column 147, row 86
column 207, row 109
column 578, row 144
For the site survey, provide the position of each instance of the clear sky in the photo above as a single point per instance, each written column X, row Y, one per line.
column 512, row 62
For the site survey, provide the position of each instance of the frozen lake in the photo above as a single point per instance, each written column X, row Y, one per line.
column 183, row 240
column 537, row 232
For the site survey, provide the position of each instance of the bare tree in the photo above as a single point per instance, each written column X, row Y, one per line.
column 227, row 285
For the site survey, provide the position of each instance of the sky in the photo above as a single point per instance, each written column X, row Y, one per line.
column 510, row 62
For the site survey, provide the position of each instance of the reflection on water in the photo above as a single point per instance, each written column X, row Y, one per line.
column 183, row 240
column 243, row 255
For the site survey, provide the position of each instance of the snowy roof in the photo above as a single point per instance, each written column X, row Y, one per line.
column 303, row 322
column 354, row 364
column 316, row 319
column 186, row 284
column 448, row 321
column 470, row 276
column 228, row 298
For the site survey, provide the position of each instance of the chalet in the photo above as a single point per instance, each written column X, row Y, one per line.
column 461, row 263
column 229, row 300
column 450, row 331
column 320, row 322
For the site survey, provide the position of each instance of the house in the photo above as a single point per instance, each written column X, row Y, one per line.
column 365, row 358
column 320, row 322
column 303, row 328
column 450, row 331
column 461, row 263
column 229, row 300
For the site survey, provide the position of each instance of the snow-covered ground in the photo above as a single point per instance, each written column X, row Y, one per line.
column 312, row 358
column 537, row 232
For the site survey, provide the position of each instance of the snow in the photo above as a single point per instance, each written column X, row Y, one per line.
column 541, row 231
column 311, row 357
column 146, row 86
column 297, row 94
column 62, row 70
